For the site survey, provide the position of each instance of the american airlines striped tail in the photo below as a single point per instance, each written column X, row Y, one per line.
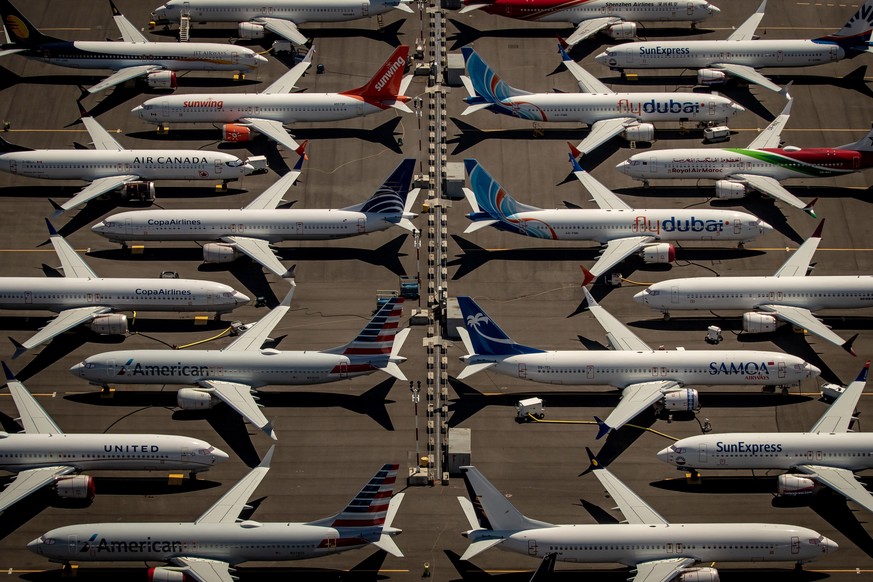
column 387, row 86
column 483, row 84
column 855, row 34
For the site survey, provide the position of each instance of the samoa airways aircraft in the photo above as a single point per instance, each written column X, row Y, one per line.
column 44, row 455
column 606, row 112
column 206, row 550
column 135, row 57
column 654, row 548
column 267, row 112
column 645, row 376
column 740, row 55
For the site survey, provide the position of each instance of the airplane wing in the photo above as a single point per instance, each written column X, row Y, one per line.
column 228, row 508
column 587, row 82
column 634, row 399
column 590, row 27
column 34, row 418
column 272, row 196
column 771, row 187
column 12, row 51
column 603, row 131
column 239, row 397
column 800, row 317
column 842, row 481
column 99, row 136
column 273, row 130
column 635, row 510
column 620, row 337
column 30, row 481
column 259, row 251
column 839, row 414
column 284, row 28
column 746, row 30
column 203, row 570
column 660, row 570
column 616, row 251
column 123, row 75
column 71, row 263
column 603, row 196
column 772, row 134
column 797, row 264
column 747, row 74
column 65, row 321
column 287, row 82
column 256, row 335
column 96, row 188
column 128, row 31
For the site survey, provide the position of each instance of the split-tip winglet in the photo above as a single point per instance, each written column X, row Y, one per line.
column 587, row 276
column 562, row 46
column 603, row 428
column 265, row 462
column 593, row 463
column 848, row 346
column 809, row 208
column 818, row 229
column 51, row 228
column 19, row 349
column 115, row 10
column 301, row 151
column 862, row 376
column 575, row 153
column 11, row 376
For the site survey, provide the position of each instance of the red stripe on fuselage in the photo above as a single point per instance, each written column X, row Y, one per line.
column 828, row 157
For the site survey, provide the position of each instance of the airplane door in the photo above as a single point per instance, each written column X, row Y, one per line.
column 833, row 54
column 128, row 226
column 690, row 9
column 89, row 297
column 362, row 226
column 532, row 547
column 72, row 544
column 818, row 455
column 300, row 228
column 330, row 542
column 13, row 166
column 343, row 370
column 218, row 165
column 702, row 456
column 165, row 109
column 359, row 107
column 712, row 108
column 856, row 162
column 781, row 368
column 522, row 371
column 674, row 295
column 365, row 9
column 779, row 295
column 738, row 226
column 653, row 165
column 210, row 298
column 589, row 372
column 186, row 454
column 795, row 545
column 110, row 367
column 28, row 297
column 780, row 56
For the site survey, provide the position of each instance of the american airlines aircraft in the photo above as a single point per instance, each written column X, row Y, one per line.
column 208, row 549
column 606, row 112
column 787, row 296
column 654, row 548
column 252, row 230
column 740, row 55
column 622, row 229
column 645, row 376
column 136, row 57
column 43, row 455
column 81, row 297
column 267, row 112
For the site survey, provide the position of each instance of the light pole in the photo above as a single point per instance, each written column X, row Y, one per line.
column 416, row 390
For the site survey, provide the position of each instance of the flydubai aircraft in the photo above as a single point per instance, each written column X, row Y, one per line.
column 787, row 296
column 654, row 548
column 135, row 57
column 43, row 455
column 208, row 549
column 606, row 112
column 252, row 230
column 82, row 297
column 266, row 112
column 741, row 55
column 622, row 229
column 645, row 376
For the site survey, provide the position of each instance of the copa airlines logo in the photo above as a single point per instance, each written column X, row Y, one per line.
column 673, row 224
column 147, row 545
column 744, row 447
column 177, row 369
column 173, row 222
column 652, row 106
column 164, row 292
column 203, row 103
column 169, row 160
column 392, row 68
column 753, row 370
column 664, row 51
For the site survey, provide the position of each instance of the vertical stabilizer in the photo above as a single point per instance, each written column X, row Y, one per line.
column 865, row 144
column 21, row 31
column 486, row 336
column 491, row 198
column 385, row 85
column 499, row 513
column 390, row 197
column 857, row 29
column 485, row 82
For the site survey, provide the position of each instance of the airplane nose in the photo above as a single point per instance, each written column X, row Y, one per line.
column 78, row 370
column 642, row 296
column 248, row 169
column 764, row 226
column 601, row 58
column 261, row 59
column 736, row 108
column 137, row 111
column 219, row 456
column 713, row 9
column 665, row 455
column 624, row 167
column 812, row 371
column 829, row 545
column 99, row 227
column 35, row 546
column 240, row 298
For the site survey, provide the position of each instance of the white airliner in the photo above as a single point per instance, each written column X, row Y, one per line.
column 252, row 230
column 280, row 17
column 622, row 229
column 135, row 57
column 208, row 549
column 645, row 376
column 740, row 55
column 81, row 297
column 828, row 454
column 655, row 549
column 44, row 455
column 232, row 374
column 787, row 296
column 267, row 112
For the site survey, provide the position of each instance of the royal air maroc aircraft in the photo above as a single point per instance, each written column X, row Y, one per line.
column 44, row 455
column 208, row 549
column 133, row 58
column 645, row 376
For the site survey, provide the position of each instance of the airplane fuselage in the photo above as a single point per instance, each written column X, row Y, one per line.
column 576, row 11
column 297, row 11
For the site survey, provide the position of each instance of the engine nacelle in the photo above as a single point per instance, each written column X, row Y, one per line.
column 698, row 575
column 730, row 190
column 112, row 324
column 658, row 254
column 250, row 31
column 622, row 30
column 219, row 253
column 710, row 77
column 788, row 485
column 77, row 487
column 161, row 574
column 639, row 132
column 681, row 400
column 233, row 133
column 759, row 323
column 193, row 399
column 161, row 80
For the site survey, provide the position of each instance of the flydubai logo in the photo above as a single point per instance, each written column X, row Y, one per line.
column 17, row 27
column 384, row 79
column 123, row 370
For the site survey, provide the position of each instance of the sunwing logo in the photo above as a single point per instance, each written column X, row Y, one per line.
column 384, row 79
column 204, row 103
column 17, row 27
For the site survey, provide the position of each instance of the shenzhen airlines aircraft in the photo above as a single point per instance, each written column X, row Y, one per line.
column 622, row 229
column 740, row 55
column 206, row 550
column 135, row 57
column 44, row 455
column 267, row 112
column 787, row 296
column 606, row 112
column 645, row 376
column 655, row 549
column 251, row 230
column 81, row 297
column 829, row 454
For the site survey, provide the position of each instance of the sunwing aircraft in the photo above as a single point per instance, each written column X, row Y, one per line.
column 654, row 548
column 740, row 55
column 133, row 58
column 82, row 297
column 208, row 549
column 645, row 376
column 43, row 455
column 266, row 112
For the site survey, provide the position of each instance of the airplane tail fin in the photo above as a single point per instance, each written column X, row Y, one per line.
column 492, row 202
column 6, row 147
column 856, row 32
column 376, row 346
column 390, row 197
column 486, row 337
column 21, row 31
column 865, row 144
column 485, row 86
column 386, row 87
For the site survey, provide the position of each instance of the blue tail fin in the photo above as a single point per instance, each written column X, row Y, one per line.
column 486, row 336
column 390, row 197
column 492, row 199
column 856, row 32
column 486, row 83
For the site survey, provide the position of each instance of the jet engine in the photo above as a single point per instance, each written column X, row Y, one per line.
column 233, row 132
column 658, row 253
column 698, row 575
column 250, row 31
column 710, row 77
column 77, row 487
column 759, row 323
column 194, row 399
column 639, row 132
column 219, row 253
column 730, row 190
column 162, row 574
column 161, row 80
column 622, row 30
column 788, row 485
column 681, row 400
column 112, row 324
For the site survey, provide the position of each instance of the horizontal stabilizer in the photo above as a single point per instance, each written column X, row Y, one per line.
column 477, row 548
column 387, row 544
column 479, row 224
column 475, row 108
column 474, row 369
column 394, row 370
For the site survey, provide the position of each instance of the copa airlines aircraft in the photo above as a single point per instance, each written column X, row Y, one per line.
column 267, row 112
column 645, row 376
column 645, row 541
column 251, row 230
column 206, row 550
column 606, row 112
column 44, row 455
column 81, row 297
column 135, row 57
column 739, row 56
column 622, row 229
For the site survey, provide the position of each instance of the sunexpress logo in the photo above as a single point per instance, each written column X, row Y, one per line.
column 744, row 447
column 664, row 51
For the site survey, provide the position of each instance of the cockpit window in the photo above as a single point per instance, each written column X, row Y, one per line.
column 234, row 163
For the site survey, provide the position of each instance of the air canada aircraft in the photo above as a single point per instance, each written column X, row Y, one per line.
column 645, row 376
column 43, row 455
column 208, row 549
column 81, row 297
column 655, row 549
column 133, row 58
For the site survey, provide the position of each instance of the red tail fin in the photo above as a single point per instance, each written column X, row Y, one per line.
column 385, row 84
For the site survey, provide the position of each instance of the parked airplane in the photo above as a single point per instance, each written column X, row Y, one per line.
column 44, row 455
column 81, row 297
column 645, row 376
column 233, row 374
column 624, row 230
column 252, row 230
column 208, row 549
column 740, row 55
column 266, row 112
column 133, row 58
column 606, row 112
column 654, row 548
